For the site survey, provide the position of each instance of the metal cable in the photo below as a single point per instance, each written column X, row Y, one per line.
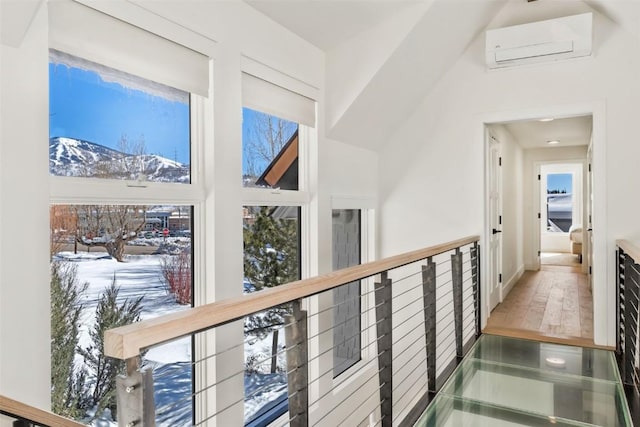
column 340, row 403
column 411, row 388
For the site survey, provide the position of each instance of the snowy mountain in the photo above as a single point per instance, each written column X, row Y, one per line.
column 75, row 157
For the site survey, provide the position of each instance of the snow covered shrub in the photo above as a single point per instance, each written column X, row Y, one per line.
column 176, row 270
column 103, row 370
column 67, row 394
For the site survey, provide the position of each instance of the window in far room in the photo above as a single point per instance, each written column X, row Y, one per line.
column 560, row 201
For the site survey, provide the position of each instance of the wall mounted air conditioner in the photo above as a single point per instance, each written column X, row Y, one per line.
column 554, row 39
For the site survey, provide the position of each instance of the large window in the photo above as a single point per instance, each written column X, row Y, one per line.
column 121, row 240
column 105, row 123
column 112, row 265
column 276, row 132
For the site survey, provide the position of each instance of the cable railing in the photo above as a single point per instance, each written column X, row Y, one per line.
column 628, row 322
column 311, row 352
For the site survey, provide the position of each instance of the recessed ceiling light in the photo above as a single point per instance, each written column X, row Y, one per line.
column 553, row 142
column 556, row 362
column 547, row 119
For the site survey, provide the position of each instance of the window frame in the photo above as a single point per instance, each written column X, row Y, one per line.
column 301, row 198
column 575, row 169
column 91, row 190
column 346, row 379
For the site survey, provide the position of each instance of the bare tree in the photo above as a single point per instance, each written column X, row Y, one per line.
column 265, row 140
column 109, row 226
column 128, row 164
column 63, row 223
column 112, row 226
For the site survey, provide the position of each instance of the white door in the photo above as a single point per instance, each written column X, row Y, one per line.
column 495, row 223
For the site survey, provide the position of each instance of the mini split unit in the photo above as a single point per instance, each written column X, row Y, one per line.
column 551, row 40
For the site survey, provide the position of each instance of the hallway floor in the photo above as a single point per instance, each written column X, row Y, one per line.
column 554, row 302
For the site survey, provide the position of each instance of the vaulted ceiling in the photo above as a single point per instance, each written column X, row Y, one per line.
column 405, row 73
column 328, row 23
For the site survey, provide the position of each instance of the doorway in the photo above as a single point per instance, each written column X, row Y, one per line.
column 561, row 210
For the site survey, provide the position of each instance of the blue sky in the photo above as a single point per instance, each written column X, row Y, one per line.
column 559, row 181
column 83, row 106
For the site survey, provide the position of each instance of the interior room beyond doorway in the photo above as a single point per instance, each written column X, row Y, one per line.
column 561, row 210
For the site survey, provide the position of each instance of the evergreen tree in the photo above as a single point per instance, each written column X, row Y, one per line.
column 67, row 395
column 270, row 259
column 109, row 314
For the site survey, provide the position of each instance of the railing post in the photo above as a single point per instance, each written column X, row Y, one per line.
column 297, row 365
column 456, row 278
column 475, row 277
column 383, row 298
column 134, row 394
column 429, row 301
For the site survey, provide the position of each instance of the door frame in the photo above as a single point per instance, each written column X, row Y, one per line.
column 490, row 220
column 604, row 295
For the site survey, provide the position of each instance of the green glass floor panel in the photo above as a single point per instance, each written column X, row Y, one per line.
column 506, row 382
column 587, row 362
column 452, row 411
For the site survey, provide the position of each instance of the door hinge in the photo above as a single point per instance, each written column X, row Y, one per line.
column 499, row 161
column 589, row 269
column 538, row 177
column 500, row 278
column 539, row 216
column 539, row 253
column 589, row 167
column 500, row 219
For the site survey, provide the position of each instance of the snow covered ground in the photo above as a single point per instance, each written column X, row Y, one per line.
column 142, row 275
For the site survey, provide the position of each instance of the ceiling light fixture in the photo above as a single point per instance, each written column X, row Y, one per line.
column 553, row 142
column 546, row 119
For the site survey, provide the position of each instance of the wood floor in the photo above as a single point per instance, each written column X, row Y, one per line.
column 552, row 304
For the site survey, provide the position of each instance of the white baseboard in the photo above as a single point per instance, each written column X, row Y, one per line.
column 512, row 281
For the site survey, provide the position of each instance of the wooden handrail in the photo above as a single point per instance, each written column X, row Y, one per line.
column 17, row 409
column 630, row 249
column 127, row 341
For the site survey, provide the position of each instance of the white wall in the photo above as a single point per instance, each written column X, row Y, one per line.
column 24, row 207
column 354, row 171
column 437, row 189
column 512, row 214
